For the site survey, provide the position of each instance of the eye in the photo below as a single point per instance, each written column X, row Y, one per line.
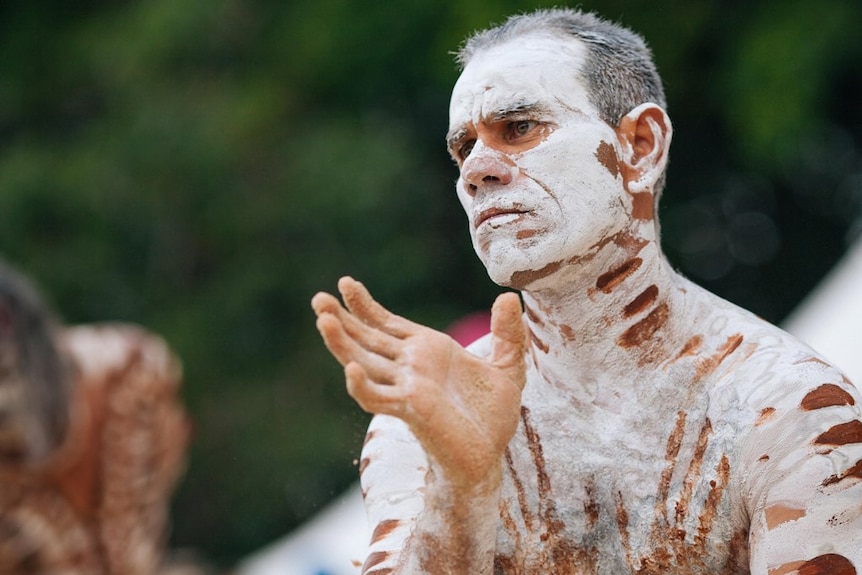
column 519, row 129
column 465, row 149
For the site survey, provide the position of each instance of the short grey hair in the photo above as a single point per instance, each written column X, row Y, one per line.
column 619, row 71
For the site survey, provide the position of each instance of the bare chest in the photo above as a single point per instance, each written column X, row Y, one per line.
column 619, row 490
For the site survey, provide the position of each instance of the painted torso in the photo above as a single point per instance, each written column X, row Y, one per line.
column 629, row 479
column 695, row 461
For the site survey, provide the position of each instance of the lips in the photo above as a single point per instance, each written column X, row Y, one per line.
column 496, row 212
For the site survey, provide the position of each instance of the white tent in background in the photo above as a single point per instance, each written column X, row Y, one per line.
column 334, row 542
column 829, row 319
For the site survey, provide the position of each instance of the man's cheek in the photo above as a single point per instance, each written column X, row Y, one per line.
column 463, row 197
column 553, row 160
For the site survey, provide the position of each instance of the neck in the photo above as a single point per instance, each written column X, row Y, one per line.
column 616, row 309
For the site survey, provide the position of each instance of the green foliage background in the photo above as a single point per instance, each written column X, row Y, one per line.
column 203, row 167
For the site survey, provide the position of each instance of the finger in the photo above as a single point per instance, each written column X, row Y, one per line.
column 335, row 339
column 370, row 338
column 508, row 336
column 323, row 302
column 346, row 350
column 372, row 397
column 359, row 301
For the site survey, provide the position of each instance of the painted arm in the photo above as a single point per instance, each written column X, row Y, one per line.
column 462, row 410
column 806, row 486
column 134, row 442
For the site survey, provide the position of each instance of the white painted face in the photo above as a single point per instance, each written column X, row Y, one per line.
column 539, row 177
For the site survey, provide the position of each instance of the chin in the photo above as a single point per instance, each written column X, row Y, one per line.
column 519, row 272
column 503, row 279
column 499, row 271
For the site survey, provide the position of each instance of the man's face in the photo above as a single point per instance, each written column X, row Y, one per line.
column 540, row 180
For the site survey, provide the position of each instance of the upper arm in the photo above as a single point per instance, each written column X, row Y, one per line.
column 805, row 468
column 392, row 475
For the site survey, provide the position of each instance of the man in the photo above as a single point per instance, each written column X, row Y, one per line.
column 631, row 422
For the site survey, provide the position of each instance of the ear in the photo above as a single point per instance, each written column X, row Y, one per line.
column 644, row 134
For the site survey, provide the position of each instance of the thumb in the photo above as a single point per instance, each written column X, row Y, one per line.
column 508, row 336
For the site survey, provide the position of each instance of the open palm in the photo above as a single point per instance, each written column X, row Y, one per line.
column 462, row 408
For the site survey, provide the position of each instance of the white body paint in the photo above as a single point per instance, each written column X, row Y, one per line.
column 662, row 430
column 606, row 448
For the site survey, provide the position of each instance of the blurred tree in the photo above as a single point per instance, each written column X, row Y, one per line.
column 203, row 167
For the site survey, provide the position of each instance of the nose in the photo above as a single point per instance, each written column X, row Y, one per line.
column 485, row 167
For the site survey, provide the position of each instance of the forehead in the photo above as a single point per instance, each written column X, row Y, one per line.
column 529, row 70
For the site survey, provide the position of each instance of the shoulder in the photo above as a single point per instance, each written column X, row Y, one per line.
column 753, row 363
column 389, row 450
column 797, row 415
column 113, row 351
column 778, row 374
column 392, row 470
column 772, row 391
column 775, row 378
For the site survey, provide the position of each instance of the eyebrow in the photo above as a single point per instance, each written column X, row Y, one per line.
column 518, row 110
column 455, row 136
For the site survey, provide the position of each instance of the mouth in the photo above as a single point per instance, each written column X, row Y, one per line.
column 499, row 214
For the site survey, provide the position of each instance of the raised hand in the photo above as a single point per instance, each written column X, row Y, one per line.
column 462, row 408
